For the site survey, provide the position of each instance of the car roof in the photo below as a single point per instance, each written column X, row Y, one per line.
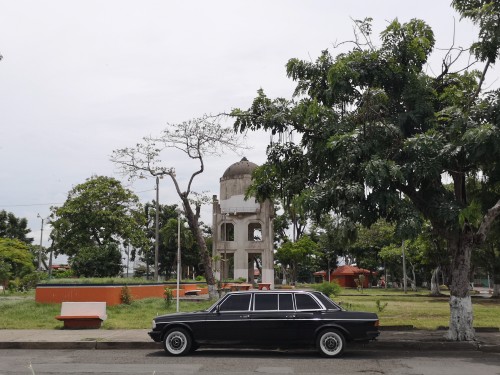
column 256, row 291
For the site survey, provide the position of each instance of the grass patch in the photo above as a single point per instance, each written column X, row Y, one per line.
column 25, row 313
column 421, row 311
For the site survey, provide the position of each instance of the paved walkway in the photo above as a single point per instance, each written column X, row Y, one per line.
column 408, row 340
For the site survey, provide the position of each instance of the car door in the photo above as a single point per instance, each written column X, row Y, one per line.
column 273, row 318
column 308, row 317
column 229, row 323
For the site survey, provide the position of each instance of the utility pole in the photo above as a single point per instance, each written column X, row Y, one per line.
column 157, row 226
column 40, row 251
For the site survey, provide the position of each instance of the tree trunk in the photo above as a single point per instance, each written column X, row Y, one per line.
column 461, row 315
column 435, row 282
column 496, row 276
column 496, row 291
column 194, row 226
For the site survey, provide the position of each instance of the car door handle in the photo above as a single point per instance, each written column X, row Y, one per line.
column 290, row 316
column 245, row 316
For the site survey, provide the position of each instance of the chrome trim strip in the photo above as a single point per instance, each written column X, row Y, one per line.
column 250, row 319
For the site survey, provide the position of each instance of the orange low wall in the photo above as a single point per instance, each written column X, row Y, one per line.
column 111, row 294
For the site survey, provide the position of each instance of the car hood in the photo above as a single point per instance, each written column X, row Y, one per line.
column 180, row 316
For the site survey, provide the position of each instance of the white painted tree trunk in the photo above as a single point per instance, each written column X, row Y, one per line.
column 435, row 282
column 461, row 319
column 461, row 315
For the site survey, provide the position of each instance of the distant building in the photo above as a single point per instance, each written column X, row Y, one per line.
column 346, row 275
column 242, row 229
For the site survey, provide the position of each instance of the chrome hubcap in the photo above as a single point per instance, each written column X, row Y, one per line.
column 331, row 344
column 176, row 342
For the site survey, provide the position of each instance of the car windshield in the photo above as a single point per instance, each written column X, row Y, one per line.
column 327, row 302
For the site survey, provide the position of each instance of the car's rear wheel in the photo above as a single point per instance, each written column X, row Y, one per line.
column 330, row 343
column 177, row 341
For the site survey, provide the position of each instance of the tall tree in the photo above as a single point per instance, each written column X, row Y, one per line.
column 98, row 213
column 378, row 133
column 14, row 227
column 295, row 255
column 197, row 138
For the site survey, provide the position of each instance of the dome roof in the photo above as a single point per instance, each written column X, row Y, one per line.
column 240, row 168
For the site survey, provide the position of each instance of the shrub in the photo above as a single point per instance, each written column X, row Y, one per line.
column 125, row 296
column 380, row 307
column 330, row 289
column 169, row 297
column 63, row 274
column 29, row 281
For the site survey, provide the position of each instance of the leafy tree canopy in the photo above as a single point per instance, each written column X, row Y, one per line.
column 14, row 227
column 16, row 260
column 97, row 261
column 378, row 133
column 97, row 213
column 291, row 255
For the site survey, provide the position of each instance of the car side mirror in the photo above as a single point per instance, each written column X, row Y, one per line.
column 217, row 309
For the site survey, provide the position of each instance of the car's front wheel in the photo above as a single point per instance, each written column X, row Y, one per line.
column 330, row 343
column 177, row 341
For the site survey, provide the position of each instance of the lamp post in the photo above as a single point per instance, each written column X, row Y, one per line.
column 223, row 271
column 178, row 255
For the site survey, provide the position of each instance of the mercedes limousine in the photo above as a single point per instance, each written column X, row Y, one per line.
column 266, row 319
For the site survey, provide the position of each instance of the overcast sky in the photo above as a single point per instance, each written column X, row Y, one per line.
column 79, row 79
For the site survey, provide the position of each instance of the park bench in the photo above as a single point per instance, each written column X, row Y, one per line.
column 82, row 315
column 264, row 286
column 191, row 290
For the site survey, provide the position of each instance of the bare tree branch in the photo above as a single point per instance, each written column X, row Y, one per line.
column 196, row 138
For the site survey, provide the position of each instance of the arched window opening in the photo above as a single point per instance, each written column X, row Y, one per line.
column 254, row 232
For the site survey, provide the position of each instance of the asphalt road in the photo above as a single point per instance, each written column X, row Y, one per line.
column 239, row 362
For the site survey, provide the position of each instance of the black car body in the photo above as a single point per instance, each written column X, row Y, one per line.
column 266, row 319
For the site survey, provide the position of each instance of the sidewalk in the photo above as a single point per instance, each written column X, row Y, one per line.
column 407, row 340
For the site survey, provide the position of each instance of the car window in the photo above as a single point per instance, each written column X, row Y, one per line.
column 306, row 302
column 267, row 301
column 327, row 302
column 285, row 302
column 236, row 302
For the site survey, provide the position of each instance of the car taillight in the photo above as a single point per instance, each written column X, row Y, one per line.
column 377, row 323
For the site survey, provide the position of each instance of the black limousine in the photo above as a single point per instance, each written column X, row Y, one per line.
column 266, row 319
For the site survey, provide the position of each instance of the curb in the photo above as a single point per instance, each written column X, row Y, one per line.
column 88, row 345
column 127, row 345
column 416, row 346
column 428, row 346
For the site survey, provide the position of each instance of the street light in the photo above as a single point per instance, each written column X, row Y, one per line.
column 178, row 254
column 223, row 271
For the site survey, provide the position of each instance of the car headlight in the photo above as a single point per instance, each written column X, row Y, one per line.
column 153, row 324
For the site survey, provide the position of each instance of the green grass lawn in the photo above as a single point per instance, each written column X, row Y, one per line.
column 417, row 309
